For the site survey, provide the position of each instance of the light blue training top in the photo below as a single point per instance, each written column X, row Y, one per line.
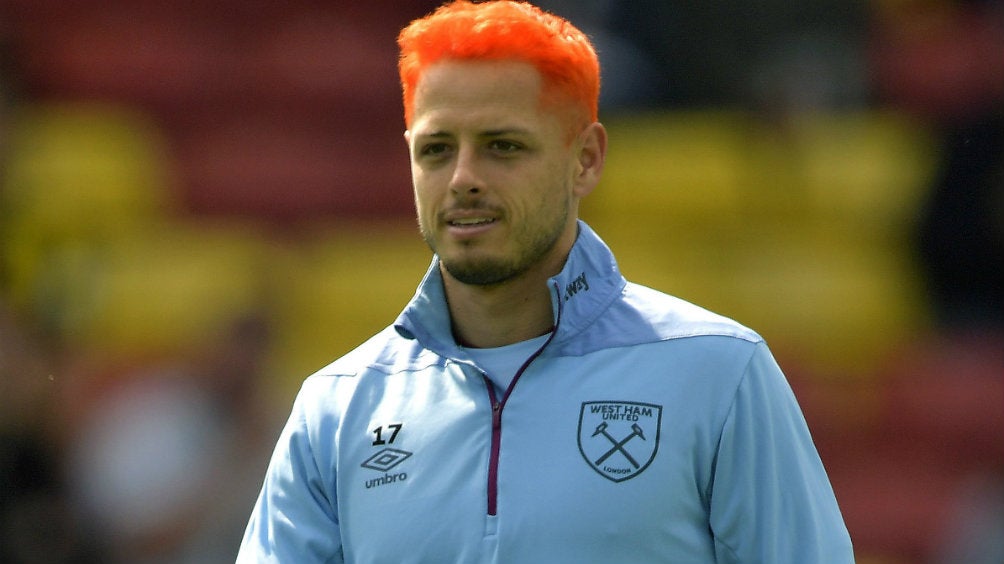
column 643, row 430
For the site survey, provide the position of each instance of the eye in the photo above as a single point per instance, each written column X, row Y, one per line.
column 434, row 150
column 504, row 146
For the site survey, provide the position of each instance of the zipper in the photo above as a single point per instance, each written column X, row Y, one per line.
column 498, row 405
column 493, row 459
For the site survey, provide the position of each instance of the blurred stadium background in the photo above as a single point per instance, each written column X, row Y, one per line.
column 203, row 202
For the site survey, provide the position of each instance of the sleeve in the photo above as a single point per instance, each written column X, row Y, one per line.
column 771, row 500
column 295, row 517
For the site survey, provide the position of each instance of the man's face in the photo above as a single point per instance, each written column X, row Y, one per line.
column 493, row 173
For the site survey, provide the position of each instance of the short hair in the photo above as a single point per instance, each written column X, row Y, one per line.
column 504, row 30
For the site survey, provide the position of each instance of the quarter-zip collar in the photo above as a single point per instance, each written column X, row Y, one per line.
column 582, row 291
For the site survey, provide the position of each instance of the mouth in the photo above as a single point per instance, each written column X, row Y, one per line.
column 470, row 221
column 465, row 224
column 470, row 217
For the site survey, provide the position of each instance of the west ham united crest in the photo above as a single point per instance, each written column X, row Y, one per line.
column 619, row 439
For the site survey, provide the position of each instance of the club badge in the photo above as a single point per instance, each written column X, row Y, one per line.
column 619, row 439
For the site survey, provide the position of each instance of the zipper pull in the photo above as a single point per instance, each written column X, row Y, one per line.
column 496, row 415
column 496, row 404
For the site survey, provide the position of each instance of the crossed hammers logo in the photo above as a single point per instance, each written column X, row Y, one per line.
column 636, row 431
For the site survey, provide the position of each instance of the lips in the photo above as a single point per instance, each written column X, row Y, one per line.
column 469, row 218
column 470, row 221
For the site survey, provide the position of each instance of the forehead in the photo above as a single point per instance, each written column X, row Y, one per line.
column 483, row 92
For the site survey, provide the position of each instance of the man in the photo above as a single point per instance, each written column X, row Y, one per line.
column 529, row 405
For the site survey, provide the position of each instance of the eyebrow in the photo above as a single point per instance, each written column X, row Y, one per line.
column 506, row 131
column 487, row 133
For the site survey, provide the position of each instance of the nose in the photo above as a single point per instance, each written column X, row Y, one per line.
column 466, row 180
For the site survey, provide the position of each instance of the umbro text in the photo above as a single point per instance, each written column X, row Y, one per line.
column 386, row 479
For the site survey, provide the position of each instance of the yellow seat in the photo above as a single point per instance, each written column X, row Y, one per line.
column 164, row 292
column 799, row 232
column 77, row 175
column 341, row 284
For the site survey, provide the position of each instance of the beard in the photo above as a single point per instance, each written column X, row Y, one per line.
column 532, row 243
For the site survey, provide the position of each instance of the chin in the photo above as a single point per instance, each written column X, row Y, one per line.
column 482, row 271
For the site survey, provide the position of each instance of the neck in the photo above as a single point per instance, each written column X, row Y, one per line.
column 499, row 315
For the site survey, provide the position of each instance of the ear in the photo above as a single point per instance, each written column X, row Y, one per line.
column 591, row 154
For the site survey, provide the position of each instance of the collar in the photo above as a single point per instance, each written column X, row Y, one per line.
column 580, row 293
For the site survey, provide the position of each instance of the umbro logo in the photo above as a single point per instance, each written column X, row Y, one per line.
column 386, row 459
column 619, row 439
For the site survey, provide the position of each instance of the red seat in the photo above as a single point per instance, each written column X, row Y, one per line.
column 903, row 459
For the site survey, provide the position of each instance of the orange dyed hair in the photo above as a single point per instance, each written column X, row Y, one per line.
column 504, row 30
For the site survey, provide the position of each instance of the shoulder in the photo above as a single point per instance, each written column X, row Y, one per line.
column 671, row 317
column 386, row 352
column 640, row 315
column 336, row 384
